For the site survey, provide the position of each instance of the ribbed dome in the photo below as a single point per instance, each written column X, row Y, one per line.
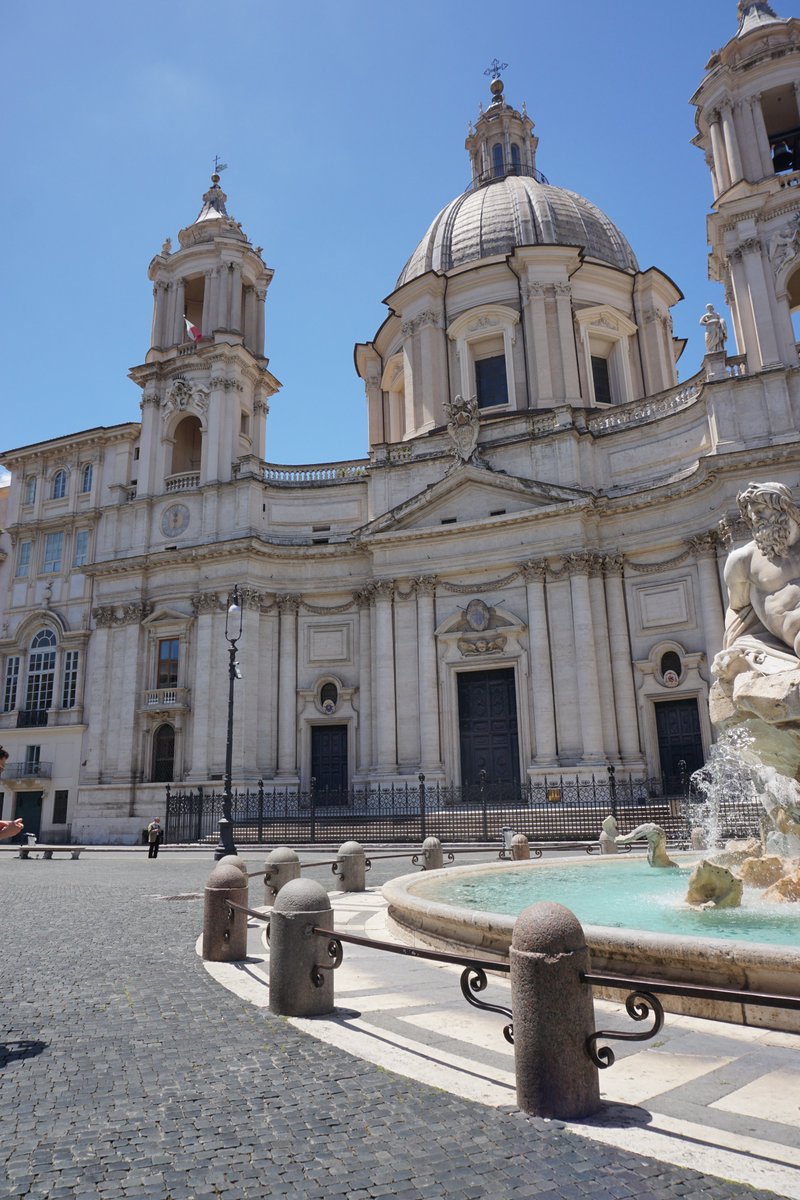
column 513, row 211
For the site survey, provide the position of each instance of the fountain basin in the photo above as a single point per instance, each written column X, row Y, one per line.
column 634, row 952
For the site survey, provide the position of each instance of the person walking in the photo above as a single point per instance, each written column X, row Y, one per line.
column 154, row 835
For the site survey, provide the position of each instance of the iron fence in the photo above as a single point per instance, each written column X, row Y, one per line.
column 554, row 809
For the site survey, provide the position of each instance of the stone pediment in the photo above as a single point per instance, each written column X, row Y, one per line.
column 166, row 614
column 472, row 494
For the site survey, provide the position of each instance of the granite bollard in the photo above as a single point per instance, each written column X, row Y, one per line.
column 224, row 928
column 520, row 847
column 281, row 865
column 553, row 1014
column 432, row 854
column 350, row 867
column 297, row 988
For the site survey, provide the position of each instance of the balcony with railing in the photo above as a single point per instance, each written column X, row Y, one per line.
column 32, row 718
column 21, row 772
column 185, row 481
column 166, row 698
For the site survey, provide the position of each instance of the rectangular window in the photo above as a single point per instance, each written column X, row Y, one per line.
column 60, row 802
column 81, row 555
column 602, row 380
column 30, row 490
column 53, row 552
column 69, row 689
column 24, row 560
column 168, row 663
column 11, row 682
column 32, row 754
column 491, row 384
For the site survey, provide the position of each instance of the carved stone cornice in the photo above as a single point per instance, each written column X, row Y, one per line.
column 424, row 585
column 704, row 545
column 579, row 563
column 614, row 565
column 534, row 571
column 597, row 564
column 429, row 317
column 104, row 618
column 251, row 598
column 732, row 529
column 206, row 602
column 365, row 596
column 384, row 589
column 288, row 603
column 219, row 383
column 134, row 613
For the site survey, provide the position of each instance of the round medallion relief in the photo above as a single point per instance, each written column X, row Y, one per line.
column 174, row 520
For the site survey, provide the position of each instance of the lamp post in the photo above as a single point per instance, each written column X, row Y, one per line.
column 233, row 631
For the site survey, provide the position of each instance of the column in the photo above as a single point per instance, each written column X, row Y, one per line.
column 236, row 297
column 602, row 650
column 731, row 143
column 98, row 677
column 589, row 699
column 261, row 294
column 249, row 317
column 712, row 170
column 750, row 145
column 223, row 286
column 762, row 137
column 620, row 647
column 760, row 301
column 204, row 605
column 704, row 548
column 718, row 150
column 743, row 312
column 384, row 698
column 565, row 682
column 287, row 684
column 541, row 675
column 366, row 710
column 206, row 322
column 179, row 329
column 430, row 748
column 572, row 387
column 539, row 374
column 407, row 681
column 156, row 314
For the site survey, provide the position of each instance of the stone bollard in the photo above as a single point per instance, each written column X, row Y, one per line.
column 553, row 1014
column 282, row 864
column 350, row 867
column 295, row 953
column 225, row 930
column 520, row 847
column 432, row 853
column 235, row 861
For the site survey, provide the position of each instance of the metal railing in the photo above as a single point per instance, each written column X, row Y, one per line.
column 28, row 770
column 557, row 810
column 31, row 718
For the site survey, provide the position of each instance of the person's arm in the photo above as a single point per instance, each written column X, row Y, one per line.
column 9, row 829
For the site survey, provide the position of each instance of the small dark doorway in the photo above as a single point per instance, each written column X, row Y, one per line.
column 329, row 763
column 679, row 740
column 487, row 722
column 29, row 809
column 163, row 754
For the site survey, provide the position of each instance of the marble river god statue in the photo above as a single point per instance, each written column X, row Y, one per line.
column 755, row 698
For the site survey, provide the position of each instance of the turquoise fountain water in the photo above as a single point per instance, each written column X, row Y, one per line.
column 619, row 894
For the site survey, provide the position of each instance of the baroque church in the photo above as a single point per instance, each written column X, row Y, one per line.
column 523, row 579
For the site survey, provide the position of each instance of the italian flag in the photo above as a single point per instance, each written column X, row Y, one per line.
column 192, row 330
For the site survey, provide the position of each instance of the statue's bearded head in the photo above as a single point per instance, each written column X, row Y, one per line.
column 774, row 518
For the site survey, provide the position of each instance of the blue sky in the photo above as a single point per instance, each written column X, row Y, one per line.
column 343, row 128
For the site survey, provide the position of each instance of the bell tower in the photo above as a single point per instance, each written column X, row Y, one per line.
column 205, row 378
column 748, row 126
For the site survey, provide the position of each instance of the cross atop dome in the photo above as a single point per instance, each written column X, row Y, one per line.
column 496, row 86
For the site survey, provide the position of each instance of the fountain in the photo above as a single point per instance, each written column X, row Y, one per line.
column 755, row 706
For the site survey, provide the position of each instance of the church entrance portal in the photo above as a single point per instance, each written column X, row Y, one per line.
column 679, row 741
column 487, row 721
column 329, row 763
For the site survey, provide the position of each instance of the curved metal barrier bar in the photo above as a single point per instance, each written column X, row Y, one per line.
column 473, row 979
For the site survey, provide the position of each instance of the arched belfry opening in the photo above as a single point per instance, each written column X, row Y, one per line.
column 187, row 447
column 793, row 292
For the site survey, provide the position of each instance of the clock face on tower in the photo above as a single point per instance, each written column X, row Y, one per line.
column 174, row 520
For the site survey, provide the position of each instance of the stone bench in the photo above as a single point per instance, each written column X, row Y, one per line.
column 49, row 851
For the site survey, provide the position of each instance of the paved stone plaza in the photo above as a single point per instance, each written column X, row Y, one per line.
column 128, row 1071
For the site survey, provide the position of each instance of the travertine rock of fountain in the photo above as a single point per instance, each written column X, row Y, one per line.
column 757, row 674
column 786, row 890
column 608, row 837
column 737, row 852
column 656, row 840
column 763, row 872
column 712, row 886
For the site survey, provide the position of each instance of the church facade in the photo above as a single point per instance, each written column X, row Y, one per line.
column 522, row 579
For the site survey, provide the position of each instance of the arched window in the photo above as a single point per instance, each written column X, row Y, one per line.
column 163, row 754
column 793, row 291
column 497, row 160
column 30, row 490
column 329, row 697
column 670, row 662
column 41, row 672
column 515, row 160
column 187, row 447
column 86, row 478
column 59, row 489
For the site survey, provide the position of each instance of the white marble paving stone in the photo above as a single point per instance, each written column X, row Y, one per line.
column 644, row 1076
column 772, row 1097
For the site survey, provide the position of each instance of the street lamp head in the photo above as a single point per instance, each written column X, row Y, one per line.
column 233, row 619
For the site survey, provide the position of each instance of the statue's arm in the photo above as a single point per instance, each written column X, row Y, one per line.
column 737, row 578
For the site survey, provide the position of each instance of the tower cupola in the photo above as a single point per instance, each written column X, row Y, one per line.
column 502, row 142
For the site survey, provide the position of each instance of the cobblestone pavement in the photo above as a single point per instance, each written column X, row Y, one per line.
column 128, row 1072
